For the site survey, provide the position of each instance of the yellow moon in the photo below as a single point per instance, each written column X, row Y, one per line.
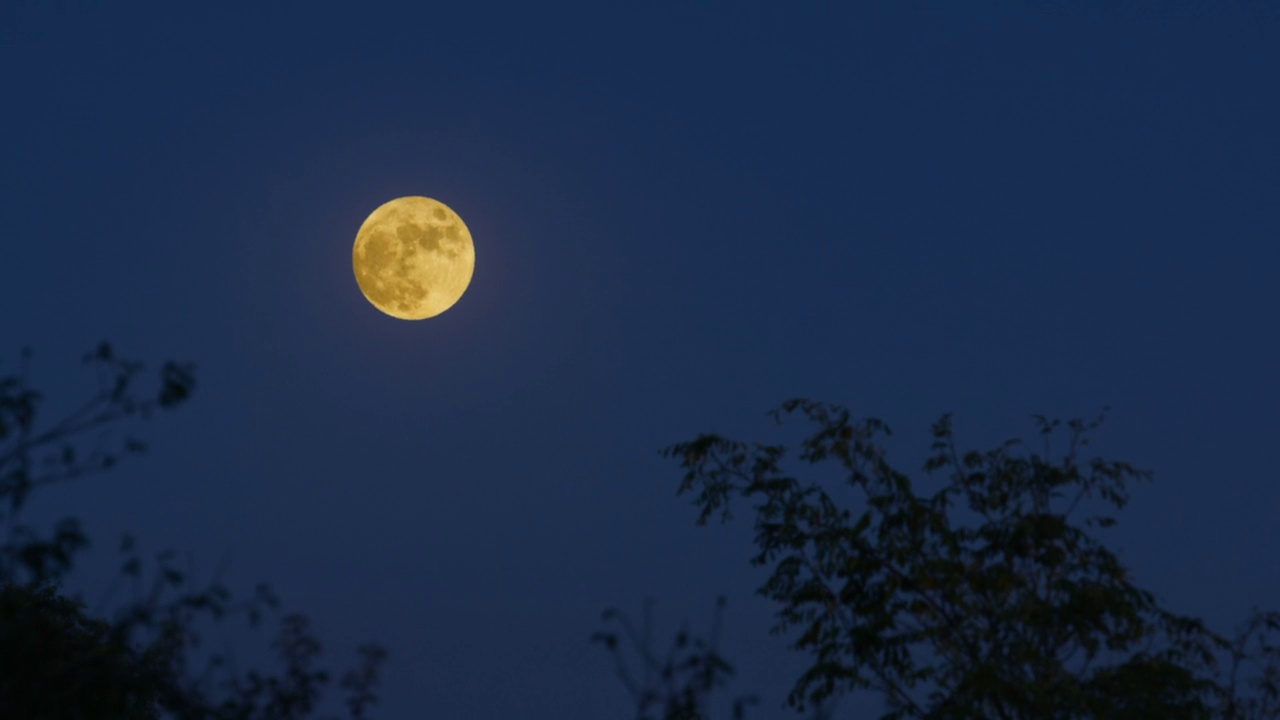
column 413, row 258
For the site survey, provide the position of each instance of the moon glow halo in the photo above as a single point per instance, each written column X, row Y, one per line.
column 413, row 258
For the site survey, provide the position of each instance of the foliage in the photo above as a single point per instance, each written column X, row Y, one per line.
column 1024, row 616
column 31, row 458
column 679, row 683
column 58, row 662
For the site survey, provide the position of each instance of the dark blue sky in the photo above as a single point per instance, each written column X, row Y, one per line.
column 684, row 213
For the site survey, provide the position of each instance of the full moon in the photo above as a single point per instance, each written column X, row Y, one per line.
column 413, row 258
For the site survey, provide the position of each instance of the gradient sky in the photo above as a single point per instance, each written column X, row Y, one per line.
column 684, row 213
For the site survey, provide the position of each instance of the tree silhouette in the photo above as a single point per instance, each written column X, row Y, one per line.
column 56, row 661
column 1024, row 616
column 679, row 683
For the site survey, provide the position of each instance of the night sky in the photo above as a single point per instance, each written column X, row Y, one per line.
column 684, row 214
